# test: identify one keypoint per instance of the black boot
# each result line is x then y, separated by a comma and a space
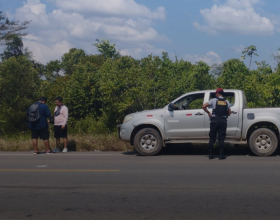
211, 156
222, 156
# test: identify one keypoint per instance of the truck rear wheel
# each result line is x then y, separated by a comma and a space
148, 142
263, 142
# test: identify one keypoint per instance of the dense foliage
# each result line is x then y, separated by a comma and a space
100, 90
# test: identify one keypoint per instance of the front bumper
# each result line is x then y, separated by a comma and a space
124, 131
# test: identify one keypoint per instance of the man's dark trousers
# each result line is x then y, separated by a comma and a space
217, 125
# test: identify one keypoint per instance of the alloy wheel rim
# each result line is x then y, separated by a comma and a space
148, 142
263, 142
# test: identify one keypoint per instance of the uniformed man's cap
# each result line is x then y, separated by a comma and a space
219, 90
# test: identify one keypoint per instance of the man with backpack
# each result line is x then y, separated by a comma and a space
37, 121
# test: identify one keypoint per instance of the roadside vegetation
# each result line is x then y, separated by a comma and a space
100, 89
89, 142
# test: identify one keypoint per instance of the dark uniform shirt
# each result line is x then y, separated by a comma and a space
213, 103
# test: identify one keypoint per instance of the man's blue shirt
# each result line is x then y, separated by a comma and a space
44, 114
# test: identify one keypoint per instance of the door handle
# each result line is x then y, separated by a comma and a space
198, 114
233, 112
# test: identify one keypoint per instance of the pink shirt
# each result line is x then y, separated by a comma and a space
62, 118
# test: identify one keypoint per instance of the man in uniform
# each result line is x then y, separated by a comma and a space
218, 121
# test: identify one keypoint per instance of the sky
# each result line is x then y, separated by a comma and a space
209, 30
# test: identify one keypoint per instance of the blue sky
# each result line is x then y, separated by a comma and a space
209, 30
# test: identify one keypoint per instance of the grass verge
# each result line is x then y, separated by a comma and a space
75, 143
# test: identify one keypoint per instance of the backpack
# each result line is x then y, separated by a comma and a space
34, 114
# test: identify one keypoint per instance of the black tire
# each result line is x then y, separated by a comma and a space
263, 142
148, 142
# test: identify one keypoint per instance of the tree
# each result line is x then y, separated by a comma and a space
277, 58
233, 75
216, 70
8, 28
249, 51
80, 91
19, 88
70, 59
14, 48
264, 68
97, 60
200, 78
120, 89
52, 70
106, 49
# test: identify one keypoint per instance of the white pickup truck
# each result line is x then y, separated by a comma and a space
184, 121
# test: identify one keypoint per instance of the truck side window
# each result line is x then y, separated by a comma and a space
194, 101
230, 96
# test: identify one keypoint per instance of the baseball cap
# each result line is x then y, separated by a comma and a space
219, 90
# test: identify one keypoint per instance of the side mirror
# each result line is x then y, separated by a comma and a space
171, 107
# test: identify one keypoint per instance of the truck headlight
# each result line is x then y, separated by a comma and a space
127, 118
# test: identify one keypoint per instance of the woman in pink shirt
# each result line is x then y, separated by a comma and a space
60, 124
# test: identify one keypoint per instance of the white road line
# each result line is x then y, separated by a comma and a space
62, 154
46, 170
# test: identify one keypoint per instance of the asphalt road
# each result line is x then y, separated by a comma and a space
177, 184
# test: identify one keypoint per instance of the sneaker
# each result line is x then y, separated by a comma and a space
56, 150
36, 152
65, 150
49, 152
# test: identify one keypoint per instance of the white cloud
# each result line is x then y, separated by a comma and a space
275, 19
32, 37
144, 48
122, 8
238, 49
45, 53
35, 11
68, 26
235, 17
210, 58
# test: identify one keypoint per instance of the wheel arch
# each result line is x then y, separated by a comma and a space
142, 126
262, 124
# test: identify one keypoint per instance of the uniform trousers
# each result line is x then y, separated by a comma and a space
218, 126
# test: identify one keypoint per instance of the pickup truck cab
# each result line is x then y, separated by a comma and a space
184, 121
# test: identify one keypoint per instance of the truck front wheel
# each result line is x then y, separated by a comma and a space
263, 142
148, 142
